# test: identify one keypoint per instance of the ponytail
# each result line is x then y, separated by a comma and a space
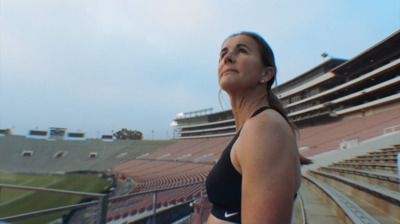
276, 104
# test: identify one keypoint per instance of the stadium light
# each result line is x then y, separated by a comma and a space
324, 55
180, 114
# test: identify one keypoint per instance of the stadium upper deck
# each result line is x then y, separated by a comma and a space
331, 91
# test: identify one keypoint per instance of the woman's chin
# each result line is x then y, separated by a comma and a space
229, 84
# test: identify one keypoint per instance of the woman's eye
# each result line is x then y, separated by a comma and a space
222, 55
242, 50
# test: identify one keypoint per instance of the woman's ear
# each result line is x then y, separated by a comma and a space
268, 74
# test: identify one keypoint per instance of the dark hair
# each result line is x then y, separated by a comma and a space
268, 59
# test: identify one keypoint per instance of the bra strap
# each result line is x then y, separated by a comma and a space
260, 110
254, 114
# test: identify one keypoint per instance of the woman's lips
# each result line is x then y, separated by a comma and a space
230, 70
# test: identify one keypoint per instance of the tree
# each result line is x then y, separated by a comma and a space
5, 131
125, 133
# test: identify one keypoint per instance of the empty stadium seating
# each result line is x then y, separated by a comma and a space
326, 137
206, 150
76, 153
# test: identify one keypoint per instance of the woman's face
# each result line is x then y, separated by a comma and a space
240, 66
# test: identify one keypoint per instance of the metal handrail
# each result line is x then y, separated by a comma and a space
52, 190
102, 202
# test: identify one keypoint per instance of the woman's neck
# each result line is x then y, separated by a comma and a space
244, 105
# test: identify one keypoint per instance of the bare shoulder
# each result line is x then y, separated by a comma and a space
269, 125
266, 136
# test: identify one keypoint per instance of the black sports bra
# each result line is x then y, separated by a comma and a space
224, 185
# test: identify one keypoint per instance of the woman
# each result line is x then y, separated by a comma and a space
258, 174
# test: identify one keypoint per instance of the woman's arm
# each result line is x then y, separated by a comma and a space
268, 159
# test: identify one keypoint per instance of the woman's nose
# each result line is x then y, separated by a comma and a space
229, 58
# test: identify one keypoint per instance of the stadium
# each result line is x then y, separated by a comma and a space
348, 114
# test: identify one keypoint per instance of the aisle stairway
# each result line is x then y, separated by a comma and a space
361, 189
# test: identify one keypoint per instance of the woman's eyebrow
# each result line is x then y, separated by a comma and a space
241, 45
237, 46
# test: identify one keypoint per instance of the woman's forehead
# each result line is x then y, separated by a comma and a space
239, 39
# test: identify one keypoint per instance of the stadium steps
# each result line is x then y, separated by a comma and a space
381, 161
385, 180
369, 180
384, 202
375, 167
324, 204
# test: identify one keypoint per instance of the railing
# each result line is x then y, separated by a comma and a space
102, 202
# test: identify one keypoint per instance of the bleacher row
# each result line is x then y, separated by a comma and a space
152, 175
361, 191
124, 208
206, 150
326, 137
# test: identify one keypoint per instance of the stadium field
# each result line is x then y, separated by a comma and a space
8, 195
14, 202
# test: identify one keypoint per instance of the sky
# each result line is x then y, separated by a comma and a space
97, 66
